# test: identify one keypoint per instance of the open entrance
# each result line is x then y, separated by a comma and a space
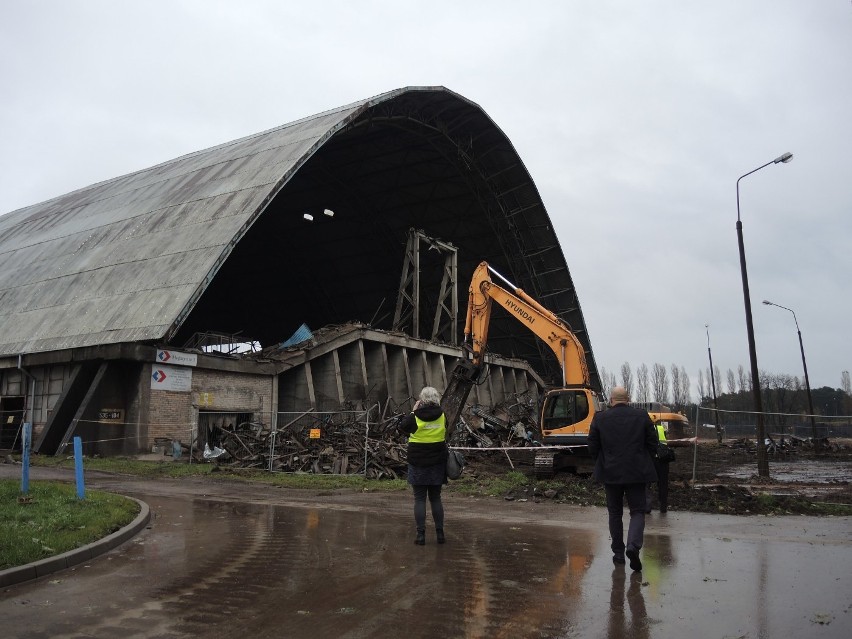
11, 419
213, 425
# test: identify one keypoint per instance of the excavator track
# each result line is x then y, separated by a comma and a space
545, 464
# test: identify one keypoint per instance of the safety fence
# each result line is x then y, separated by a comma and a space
367, 442
724, 444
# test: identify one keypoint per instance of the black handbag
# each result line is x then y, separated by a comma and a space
455, 464
665, 454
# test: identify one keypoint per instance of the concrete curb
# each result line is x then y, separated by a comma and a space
27, 572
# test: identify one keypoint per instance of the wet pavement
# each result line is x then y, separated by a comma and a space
223, 559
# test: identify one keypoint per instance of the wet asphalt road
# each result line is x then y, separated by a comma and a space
223, 560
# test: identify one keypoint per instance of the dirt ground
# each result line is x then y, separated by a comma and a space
718, 479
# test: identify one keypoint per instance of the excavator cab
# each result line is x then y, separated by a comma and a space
566, 415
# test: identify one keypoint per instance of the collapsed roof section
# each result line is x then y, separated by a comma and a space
304, 223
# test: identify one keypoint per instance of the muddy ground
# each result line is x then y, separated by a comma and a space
714, 479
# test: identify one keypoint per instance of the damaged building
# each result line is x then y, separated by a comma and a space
319, 266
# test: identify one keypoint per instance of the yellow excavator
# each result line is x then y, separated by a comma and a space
675, 424
566, 411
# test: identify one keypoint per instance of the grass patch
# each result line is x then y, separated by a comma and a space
508, 483
52, 520
127, 466
175, 470
831, 509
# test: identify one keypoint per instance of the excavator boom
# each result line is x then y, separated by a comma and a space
567, 411
545, 324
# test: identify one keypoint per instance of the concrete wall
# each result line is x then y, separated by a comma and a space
363, 372
115, 410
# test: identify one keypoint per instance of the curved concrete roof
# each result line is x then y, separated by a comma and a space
217, 240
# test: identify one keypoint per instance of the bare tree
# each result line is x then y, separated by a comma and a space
606, 383
742, 381
732, 382
685, 393
780, 397
701, 391
676, 386
660, 383
627, 378
643, 392
846, 383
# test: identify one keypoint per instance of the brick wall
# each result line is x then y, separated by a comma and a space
174, 415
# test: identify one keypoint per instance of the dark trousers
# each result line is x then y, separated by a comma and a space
434, 494
662, 486
615, 494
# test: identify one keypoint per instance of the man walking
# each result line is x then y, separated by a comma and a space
623, 442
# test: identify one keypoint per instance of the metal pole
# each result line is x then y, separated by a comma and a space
808, 388
807, 381
762, 461
695, 445
713, 385
366, 442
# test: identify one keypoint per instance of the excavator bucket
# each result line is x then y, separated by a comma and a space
463, 377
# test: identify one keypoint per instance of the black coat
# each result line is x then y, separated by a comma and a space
624, 442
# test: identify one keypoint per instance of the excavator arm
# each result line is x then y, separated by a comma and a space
545, 324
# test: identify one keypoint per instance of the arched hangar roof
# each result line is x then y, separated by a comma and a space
217, 240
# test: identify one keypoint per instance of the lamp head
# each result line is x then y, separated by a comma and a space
784, 158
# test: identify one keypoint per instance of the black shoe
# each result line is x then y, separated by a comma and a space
420, 540
648, 512
664, 510
633, 556
439, 533
618, 560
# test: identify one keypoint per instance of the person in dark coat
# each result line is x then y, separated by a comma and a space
661, 465
623, 442
426, 427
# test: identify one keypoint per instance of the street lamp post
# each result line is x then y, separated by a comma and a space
762, 461
807, 381
713, 386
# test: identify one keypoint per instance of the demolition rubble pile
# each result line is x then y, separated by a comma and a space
367, 443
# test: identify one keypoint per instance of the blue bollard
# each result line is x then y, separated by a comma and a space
26, 438
78, 467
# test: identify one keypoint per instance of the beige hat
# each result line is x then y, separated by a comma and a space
618, 396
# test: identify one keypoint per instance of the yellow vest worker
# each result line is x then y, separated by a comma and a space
429, 432
662, 468
426, 427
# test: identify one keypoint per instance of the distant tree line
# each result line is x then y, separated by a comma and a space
781, 393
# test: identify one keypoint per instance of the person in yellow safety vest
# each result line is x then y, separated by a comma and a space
426, 427
662, 468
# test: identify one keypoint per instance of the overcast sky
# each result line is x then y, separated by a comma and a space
635, 120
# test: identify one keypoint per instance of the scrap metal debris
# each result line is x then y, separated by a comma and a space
365, 443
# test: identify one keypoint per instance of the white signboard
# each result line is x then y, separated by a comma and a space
176, 359
171, 378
